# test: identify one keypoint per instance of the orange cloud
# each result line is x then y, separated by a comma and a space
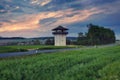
79, 16
29, 23
70, 16
32, 21
45, 2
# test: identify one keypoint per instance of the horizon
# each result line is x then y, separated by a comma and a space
36, 18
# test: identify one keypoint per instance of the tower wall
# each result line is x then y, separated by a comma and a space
60, 40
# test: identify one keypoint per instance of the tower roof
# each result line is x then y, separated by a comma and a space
59, 28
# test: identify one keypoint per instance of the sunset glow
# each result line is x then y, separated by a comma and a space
40, 16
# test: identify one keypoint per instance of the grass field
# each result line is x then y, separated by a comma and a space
4, 49
85, 64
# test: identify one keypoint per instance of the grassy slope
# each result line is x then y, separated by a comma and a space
90, 64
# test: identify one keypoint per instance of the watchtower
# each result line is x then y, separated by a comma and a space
60, 36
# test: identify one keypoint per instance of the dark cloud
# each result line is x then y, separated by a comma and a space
59, 2
1, 7
47, 20
102, 2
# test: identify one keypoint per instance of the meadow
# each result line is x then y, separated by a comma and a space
5, 49
84, 64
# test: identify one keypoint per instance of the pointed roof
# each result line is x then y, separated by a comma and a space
60, 28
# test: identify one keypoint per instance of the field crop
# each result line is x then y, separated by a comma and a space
84, 64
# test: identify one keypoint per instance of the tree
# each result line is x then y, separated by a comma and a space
36, 42
100, 35
97, 35
49, 42
82, 39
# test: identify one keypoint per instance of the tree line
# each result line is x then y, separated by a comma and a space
96, 35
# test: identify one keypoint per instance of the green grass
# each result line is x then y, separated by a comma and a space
41, 47
85, 64
4, 49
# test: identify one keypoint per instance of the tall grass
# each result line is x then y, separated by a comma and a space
85, 64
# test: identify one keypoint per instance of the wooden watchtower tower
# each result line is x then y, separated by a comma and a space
60, 36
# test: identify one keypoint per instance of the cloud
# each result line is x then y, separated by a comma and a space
26, 24
40, 2
111, 8
70, 16
43, 15
33, 21
45, 2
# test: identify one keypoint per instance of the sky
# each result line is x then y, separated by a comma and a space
36, 18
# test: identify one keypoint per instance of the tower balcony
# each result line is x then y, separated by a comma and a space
65, 33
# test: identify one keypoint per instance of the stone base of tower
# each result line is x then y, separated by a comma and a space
60, 40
